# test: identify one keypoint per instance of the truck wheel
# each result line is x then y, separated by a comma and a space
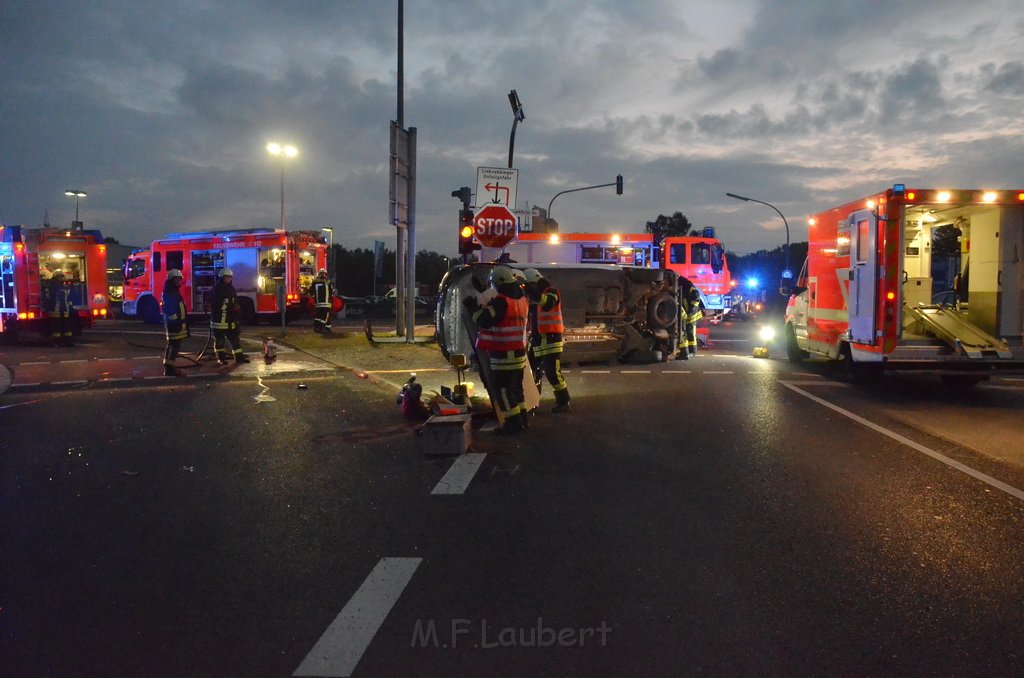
149, 310
661, 311
248, 313
793, 350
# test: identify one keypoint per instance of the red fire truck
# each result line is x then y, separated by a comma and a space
29, 256
263, 261
701, 260
867, 291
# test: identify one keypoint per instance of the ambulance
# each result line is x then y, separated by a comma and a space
871, 294
267, 264
28, 259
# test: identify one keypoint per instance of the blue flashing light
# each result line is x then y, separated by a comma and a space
787, 274
899, 189
752, 282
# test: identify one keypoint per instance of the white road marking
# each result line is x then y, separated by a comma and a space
69, 383
677, 372
73, 361
460, 474
718, 372
107, 380
159, 376
343, 643
42, 362
805, 374
959, 466
596, 371
636, 371
110, 359
34, 383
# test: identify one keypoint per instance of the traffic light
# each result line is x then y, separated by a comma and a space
464, 194
466, 230
618, 185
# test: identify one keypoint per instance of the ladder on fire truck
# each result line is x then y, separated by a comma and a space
950, 326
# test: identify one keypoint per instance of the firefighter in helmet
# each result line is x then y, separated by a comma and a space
59, 309
175, 320
690, 311
225, 318
501, 325
322, 292
546, 335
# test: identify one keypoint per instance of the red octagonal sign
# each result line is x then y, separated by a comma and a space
495, 225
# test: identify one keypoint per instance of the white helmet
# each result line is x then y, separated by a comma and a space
532, 275
174, 273
225, 272
501, 275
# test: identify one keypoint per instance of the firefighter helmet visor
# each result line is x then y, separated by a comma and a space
173, 273
532, 275
226, 272
501, 275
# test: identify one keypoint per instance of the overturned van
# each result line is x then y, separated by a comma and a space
610, 312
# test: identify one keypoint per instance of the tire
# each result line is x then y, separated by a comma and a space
149, 311
662, 311
247, 315
793, 350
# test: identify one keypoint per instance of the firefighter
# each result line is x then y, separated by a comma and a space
322, 292
690, 311
501, 324
224, 319
175, 320
546, 336
59, 309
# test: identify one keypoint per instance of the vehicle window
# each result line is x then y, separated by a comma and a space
700, 253
175, 259
717, 258
134, 268
862, 241
157, 258
271, 266
677, 254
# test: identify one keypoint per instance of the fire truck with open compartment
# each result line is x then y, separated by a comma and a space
261, 261
867, 291
29, 256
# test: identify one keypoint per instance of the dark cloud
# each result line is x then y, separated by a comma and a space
1008, 79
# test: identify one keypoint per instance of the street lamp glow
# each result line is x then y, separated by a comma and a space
76, 194
282, 151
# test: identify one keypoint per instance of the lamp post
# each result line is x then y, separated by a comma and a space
330, 251
283, 152
76, 194
786, 273
518, 115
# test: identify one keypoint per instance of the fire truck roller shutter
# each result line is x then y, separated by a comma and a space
245, 272
662, 311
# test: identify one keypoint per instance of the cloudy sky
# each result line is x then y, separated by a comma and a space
160, 110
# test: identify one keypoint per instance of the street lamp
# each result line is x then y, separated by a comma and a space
284, 152
786, 273
76, 194
518, 115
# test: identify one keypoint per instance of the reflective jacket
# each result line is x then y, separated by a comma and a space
547, 325
175, 318
224, 313
507, 332
320, 290
691, 308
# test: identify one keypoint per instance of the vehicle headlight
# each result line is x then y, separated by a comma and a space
767, 333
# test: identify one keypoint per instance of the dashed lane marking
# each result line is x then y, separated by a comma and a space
678, 372
34, 383
458, 477
953, 463
108, 380
81, 360
343, 643
41, 362
596, 371
718, 372
74, 382
636, 371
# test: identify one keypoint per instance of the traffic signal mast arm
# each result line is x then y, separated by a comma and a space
617, 184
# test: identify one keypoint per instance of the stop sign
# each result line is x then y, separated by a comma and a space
495, 225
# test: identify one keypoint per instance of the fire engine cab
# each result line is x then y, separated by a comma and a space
30, 256
872, 293
266, 264
701, 259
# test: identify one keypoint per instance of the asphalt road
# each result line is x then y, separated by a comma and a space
726, 515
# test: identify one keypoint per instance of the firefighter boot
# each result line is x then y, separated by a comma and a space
682, 354
242, 358
561, 401
171, 371
513, 425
